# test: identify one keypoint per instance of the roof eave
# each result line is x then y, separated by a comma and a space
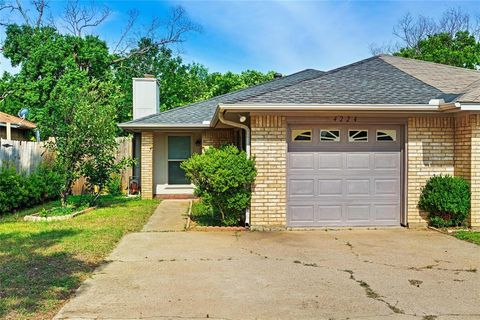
151, 126
329, 107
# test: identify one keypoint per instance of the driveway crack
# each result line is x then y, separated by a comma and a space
370, 293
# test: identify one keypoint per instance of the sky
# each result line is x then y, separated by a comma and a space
284, 36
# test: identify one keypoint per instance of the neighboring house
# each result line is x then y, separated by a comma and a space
15, 128
349, 147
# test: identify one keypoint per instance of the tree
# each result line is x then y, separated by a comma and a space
180, 83
84, 145
44, 57
460, 50
410, 30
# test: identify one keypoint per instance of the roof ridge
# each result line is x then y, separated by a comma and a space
426, 62
320, 75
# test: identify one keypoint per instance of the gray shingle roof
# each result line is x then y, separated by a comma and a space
380, 79
370, 81
197, 113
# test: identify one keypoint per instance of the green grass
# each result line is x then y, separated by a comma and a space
470, 236
42, 263
202, 215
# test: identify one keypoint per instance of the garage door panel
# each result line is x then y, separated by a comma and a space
302, 213
357, 187
302, 187
388, 212
329, 213
357, 212
330, 161
330, 187
386, 161
358, 161
390, 187
302, 161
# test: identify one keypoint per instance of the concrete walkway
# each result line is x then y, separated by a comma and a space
170, 215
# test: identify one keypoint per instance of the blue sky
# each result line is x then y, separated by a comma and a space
284, 36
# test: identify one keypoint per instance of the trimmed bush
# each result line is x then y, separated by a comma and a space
21, 191
447, 200
222, 178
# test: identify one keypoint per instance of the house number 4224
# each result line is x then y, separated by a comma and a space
345, 119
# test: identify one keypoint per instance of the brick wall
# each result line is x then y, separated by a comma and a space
146, 153
217, 137
269, 148
430, 152
471, 132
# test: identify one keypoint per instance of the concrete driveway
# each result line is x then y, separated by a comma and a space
371, 274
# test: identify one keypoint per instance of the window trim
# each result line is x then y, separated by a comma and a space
394, 137
339, 137
300, 131
351, 140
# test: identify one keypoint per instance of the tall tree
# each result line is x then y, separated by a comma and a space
410, 30
460, 50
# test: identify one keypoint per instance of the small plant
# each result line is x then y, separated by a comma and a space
222, 178
114, 185
447, 200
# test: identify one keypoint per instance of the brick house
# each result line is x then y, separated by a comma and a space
349, 147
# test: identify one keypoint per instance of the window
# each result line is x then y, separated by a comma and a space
301, 135
387, 135
357, 135
179, 150
330, 135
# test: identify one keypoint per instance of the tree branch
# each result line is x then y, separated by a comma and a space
79, 17
132, 18
174, 28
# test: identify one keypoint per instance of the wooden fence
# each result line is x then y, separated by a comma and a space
23, 155
26, 156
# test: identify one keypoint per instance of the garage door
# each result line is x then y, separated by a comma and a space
340, 175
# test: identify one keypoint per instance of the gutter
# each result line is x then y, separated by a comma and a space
330, 107
247, 149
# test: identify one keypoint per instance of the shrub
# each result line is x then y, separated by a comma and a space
447, 200
222, 178
114, 185
13, 191
20, 191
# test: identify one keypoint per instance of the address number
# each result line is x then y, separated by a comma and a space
345, 119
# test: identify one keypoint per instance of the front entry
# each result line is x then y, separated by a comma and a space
179, 150
344, 175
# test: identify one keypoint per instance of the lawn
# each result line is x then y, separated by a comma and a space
42, 263
470, 236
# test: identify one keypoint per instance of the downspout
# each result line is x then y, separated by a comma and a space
247, 149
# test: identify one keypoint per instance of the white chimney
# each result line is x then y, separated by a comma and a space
146, 96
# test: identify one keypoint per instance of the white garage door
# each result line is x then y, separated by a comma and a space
340, 175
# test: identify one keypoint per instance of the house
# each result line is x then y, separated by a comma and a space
15, 128
349, 147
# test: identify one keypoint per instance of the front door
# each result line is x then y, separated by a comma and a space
179, 150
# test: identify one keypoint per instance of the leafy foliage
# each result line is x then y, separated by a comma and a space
222, 178
180, 83
460, 50
21, 191
447, 200
49, 61
84, 144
